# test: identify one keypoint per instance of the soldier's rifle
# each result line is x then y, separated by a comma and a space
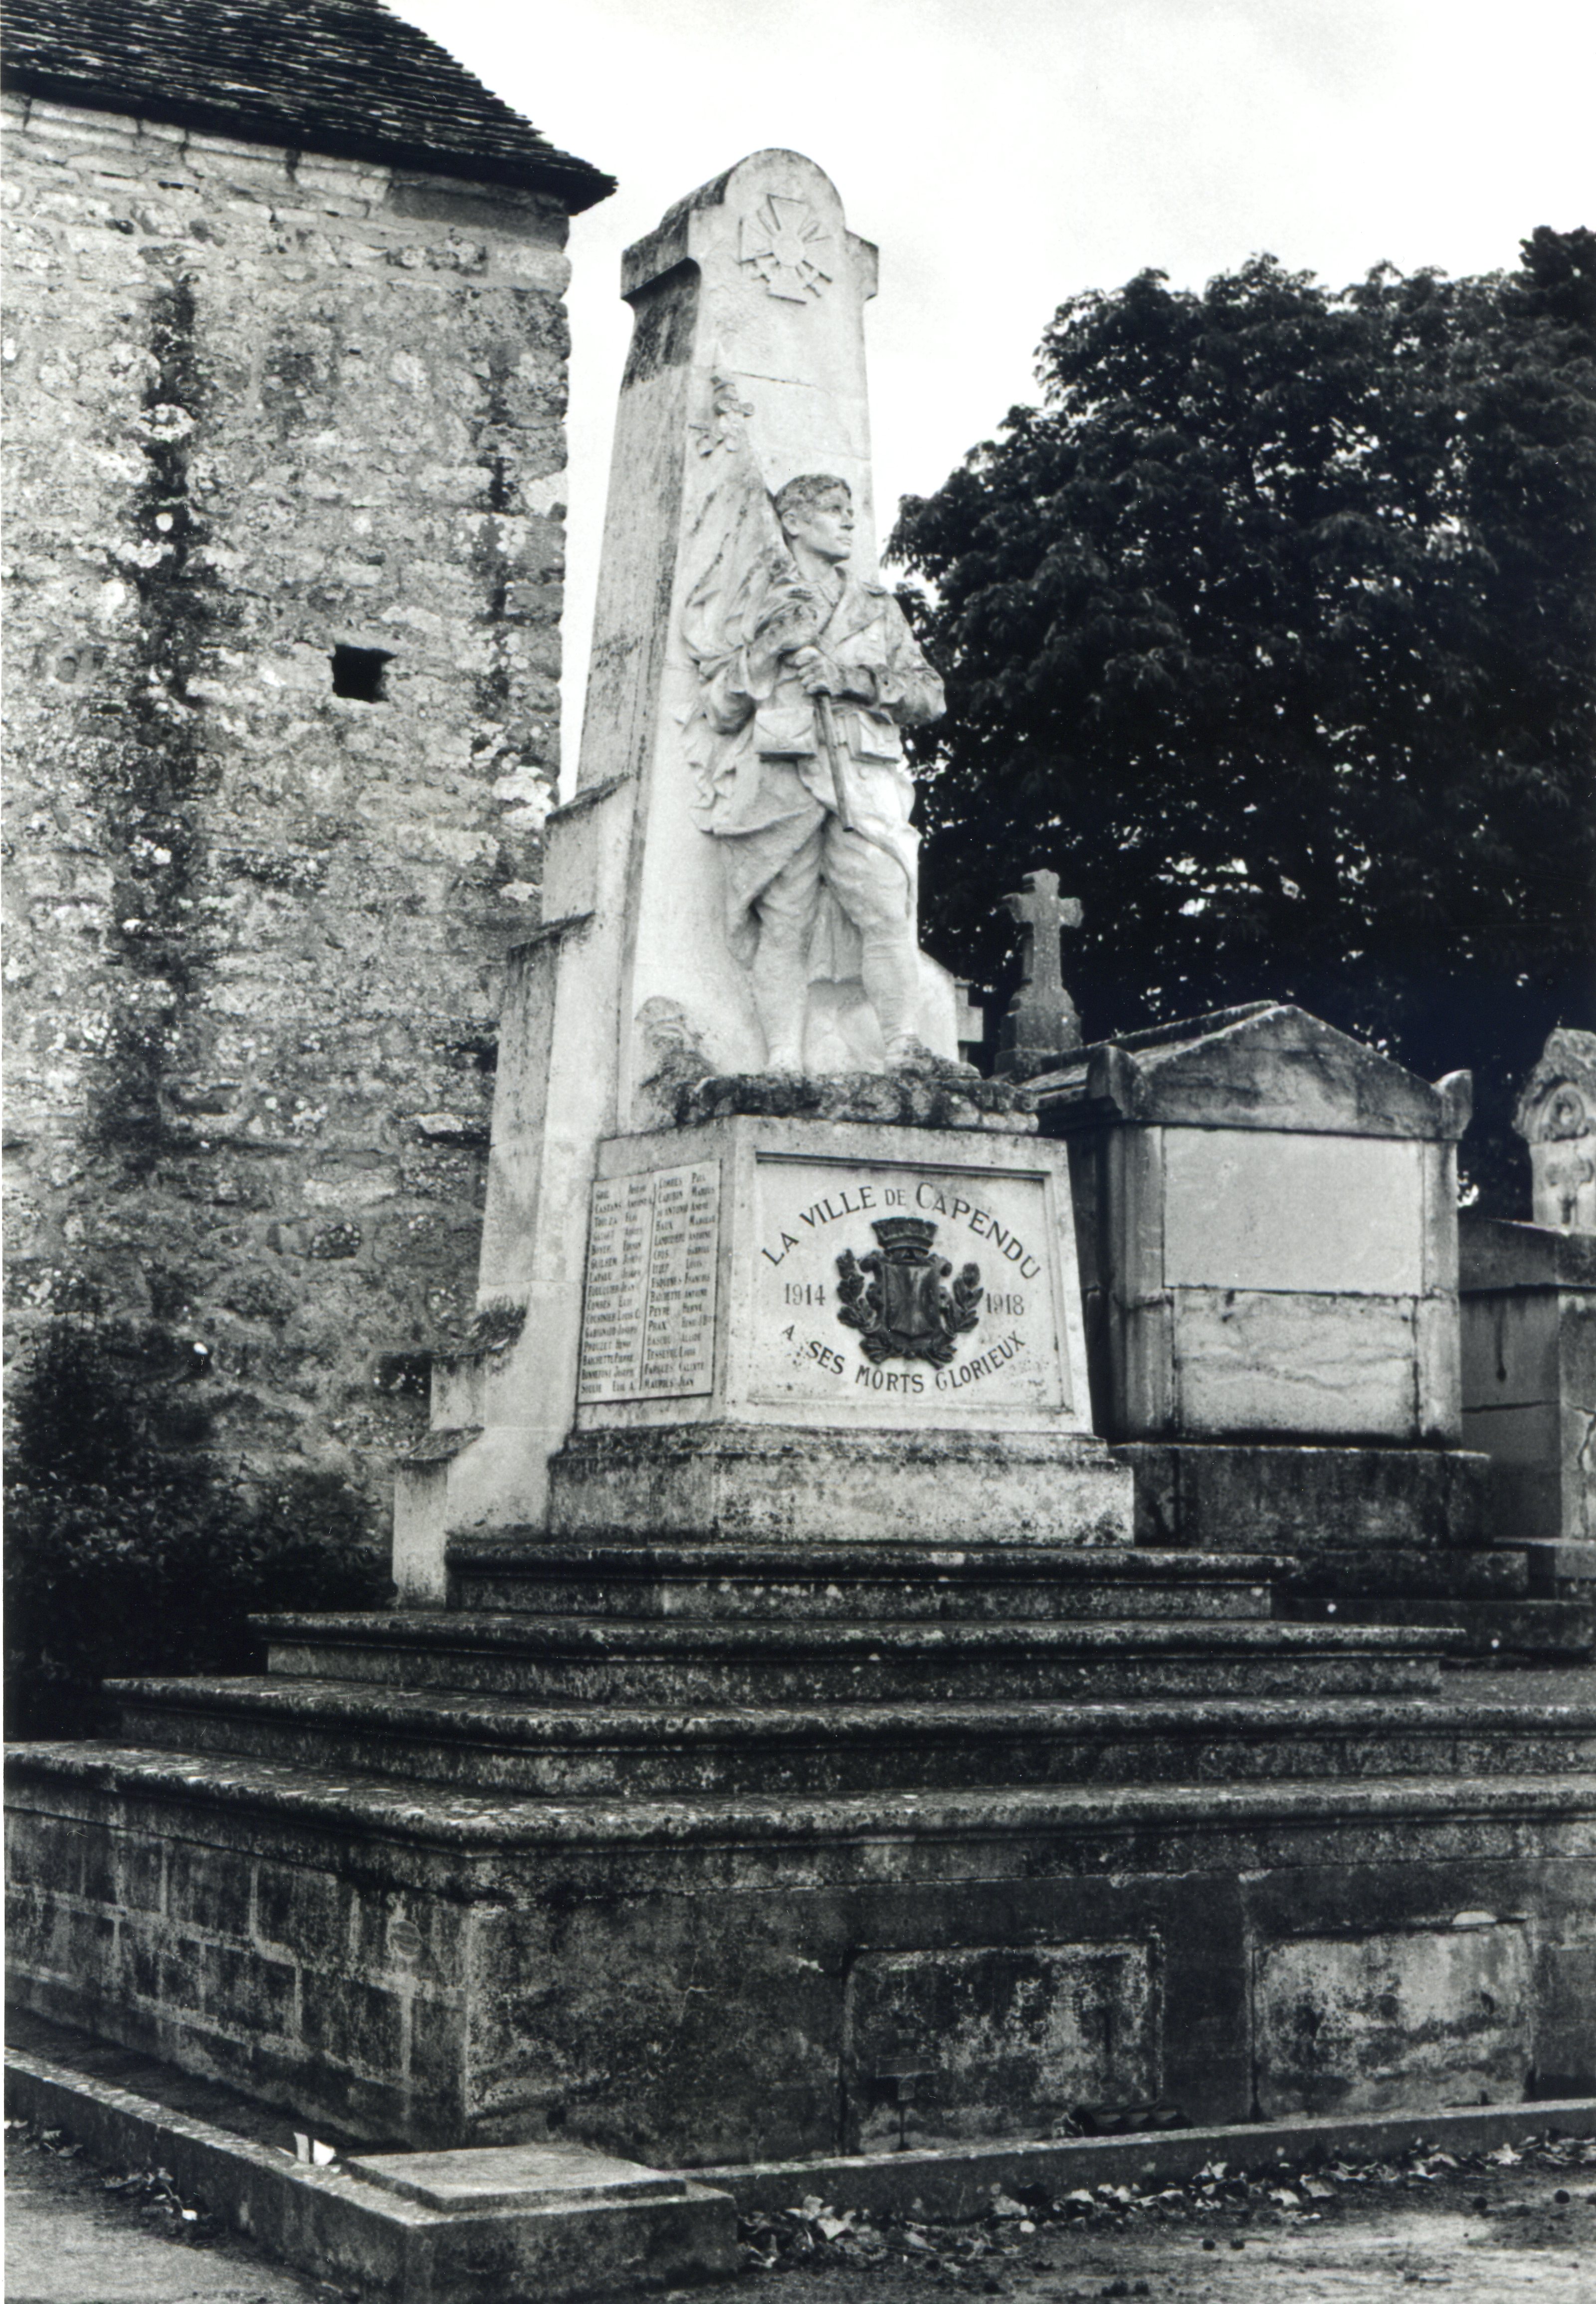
836, 754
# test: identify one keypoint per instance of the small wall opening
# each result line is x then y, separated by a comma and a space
361, 674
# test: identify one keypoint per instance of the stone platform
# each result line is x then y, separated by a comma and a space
1380, 1535
717, 1853
551, 2222
730, 1479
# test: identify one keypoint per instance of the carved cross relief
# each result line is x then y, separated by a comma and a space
784, 244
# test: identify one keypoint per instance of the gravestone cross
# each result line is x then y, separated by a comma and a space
1040, 1026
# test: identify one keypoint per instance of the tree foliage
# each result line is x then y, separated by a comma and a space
1271, 629
130, 1549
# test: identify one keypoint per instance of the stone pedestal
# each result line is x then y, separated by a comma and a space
1269, 1236
825, 1329
1214, 1497
1528, 1295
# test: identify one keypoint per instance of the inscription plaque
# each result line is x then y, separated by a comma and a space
648, 1306
929, 1289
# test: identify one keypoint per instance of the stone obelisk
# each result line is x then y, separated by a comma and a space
746, 373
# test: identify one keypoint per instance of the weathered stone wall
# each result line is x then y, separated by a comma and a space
263, 408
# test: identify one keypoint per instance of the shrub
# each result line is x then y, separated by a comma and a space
130, 1550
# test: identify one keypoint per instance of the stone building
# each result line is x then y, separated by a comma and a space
285, 362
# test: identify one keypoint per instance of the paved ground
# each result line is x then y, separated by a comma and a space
1512, 2228
78, 2234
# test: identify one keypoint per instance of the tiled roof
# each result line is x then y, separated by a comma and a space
339, 76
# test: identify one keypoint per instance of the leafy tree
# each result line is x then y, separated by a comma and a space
1272, 630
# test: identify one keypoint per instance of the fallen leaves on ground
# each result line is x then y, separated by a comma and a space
153, 2190
816, 2235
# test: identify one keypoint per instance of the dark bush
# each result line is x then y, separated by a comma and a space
129, 1549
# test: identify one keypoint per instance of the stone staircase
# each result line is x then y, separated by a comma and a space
716, 1669
767, 1807
697, 1642
719, 1669
1508, 1602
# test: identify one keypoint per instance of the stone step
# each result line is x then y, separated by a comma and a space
1560, 1630
1557, 1568
481, 1744
550, 2220
1338, 1573
587, 1660
863, 1580
263, 1797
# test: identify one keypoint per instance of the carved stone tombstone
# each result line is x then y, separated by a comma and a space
1557, 1118
1040, 1026
1268, 1253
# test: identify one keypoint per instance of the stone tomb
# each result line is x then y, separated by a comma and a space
811, 1330
1269, 1232
1269, 1238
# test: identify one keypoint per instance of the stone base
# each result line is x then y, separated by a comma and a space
1218, 1498
120, 2107
565, 2226
1528, 1304
697, 1852
955, 2183
934, 1094
779, 1482
688, 1982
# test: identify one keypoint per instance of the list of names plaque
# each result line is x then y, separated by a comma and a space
648, 1324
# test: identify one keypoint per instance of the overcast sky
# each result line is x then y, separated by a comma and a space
1004, 154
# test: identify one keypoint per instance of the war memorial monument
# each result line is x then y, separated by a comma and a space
927, 1617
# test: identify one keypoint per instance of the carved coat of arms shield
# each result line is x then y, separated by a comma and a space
903, 1298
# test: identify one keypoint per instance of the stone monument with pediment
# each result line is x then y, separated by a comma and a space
1556, 1119
783, 1264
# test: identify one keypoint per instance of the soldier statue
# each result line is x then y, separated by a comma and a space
809, 675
